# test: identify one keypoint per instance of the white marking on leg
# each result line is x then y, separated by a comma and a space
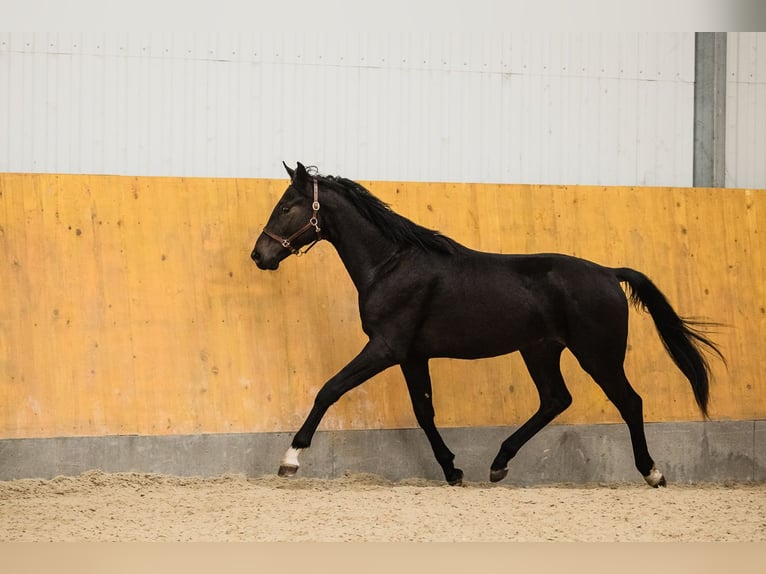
654, 477
291, 457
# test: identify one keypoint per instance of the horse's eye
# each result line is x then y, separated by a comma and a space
285, 208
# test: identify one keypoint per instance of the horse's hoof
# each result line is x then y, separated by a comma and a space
457, 478
497, 475
287, 470
655, 479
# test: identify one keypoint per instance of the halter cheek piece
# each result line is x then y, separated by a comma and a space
313, 222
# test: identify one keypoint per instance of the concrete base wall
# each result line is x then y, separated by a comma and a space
685, 452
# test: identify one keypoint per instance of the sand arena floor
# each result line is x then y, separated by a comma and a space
96, 506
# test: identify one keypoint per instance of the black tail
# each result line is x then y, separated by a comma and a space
683, 339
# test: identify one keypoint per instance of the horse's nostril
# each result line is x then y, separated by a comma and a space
255, 256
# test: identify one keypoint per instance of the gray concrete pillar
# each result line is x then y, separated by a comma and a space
710, 109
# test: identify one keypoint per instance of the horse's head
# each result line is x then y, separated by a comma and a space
293, 223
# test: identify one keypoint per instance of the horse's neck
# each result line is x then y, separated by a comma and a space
360, 245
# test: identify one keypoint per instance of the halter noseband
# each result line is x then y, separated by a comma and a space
313, 222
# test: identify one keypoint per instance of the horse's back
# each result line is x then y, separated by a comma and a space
544, 275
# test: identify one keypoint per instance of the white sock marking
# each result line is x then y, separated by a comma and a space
291, 457
654, 477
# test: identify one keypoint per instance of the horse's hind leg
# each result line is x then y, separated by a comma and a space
629, 404
419, 385
610, 376
543, 363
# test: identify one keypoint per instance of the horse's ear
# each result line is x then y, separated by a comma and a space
290, 172
301, 175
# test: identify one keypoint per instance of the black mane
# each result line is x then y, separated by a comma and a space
392, 225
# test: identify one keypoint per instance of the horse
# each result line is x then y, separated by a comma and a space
423, 295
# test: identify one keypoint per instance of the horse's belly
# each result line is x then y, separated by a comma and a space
475, 337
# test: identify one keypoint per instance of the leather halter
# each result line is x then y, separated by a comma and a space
313, 222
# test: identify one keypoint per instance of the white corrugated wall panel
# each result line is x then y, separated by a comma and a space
746, 110
538, 108
597, 111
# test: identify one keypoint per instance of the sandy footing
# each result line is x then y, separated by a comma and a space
96, 506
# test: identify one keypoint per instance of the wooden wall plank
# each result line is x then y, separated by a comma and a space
131, 305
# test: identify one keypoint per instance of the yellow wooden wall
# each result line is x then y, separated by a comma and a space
130, 305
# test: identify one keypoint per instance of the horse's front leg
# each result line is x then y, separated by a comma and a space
419, 385
374, 358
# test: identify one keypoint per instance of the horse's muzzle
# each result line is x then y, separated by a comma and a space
262, 263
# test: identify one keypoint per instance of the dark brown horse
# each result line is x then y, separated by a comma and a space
422, 295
